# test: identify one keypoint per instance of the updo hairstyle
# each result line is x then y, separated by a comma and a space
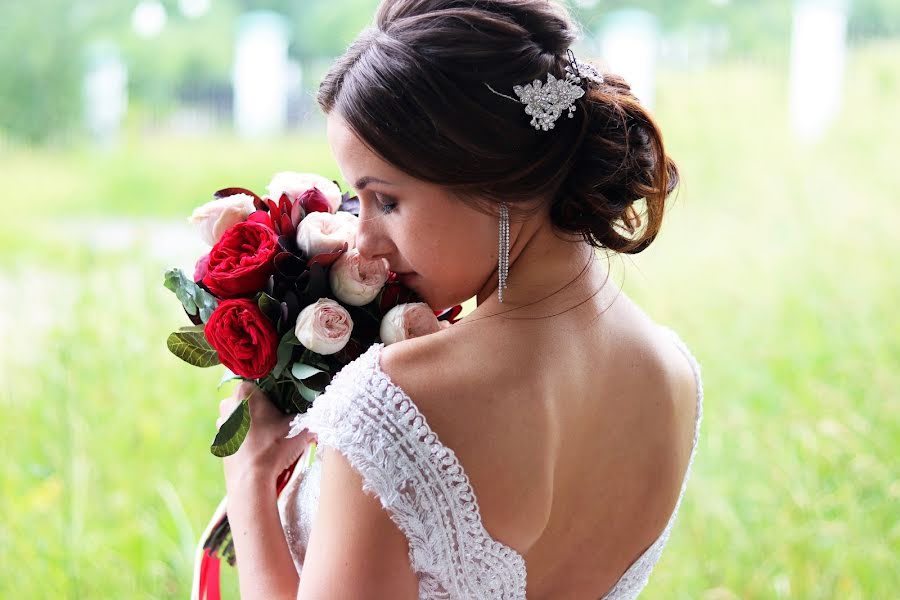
412, 88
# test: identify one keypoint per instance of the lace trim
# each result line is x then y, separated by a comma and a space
420, 482
635, 578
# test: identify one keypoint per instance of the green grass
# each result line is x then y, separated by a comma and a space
777, 264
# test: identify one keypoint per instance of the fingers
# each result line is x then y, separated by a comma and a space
247, 389
228, 405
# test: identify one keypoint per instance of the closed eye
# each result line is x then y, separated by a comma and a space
385, 204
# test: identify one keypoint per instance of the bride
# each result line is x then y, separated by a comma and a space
557, 402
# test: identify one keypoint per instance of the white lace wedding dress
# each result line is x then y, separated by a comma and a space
424, 488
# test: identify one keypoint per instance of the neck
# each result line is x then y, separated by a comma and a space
541, 261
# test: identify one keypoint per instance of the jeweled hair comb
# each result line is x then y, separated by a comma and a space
545, 102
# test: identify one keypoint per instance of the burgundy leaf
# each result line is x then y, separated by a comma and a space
231, 191
297, 214
350, 205
287, 227
284, 204
326, 259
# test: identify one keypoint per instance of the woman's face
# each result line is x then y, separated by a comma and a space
447, 250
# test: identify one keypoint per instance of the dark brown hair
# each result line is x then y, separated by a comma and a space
412, 88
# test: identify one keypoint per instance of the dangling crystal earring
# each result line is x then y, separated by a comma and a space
503, 268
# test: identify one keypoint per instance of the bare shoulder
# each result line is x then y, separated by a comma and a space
476, 421
660, 404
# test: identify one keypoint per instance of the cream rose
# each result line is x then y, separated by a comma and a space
405, 321
355, 280
324, 327
320, 232
213, 218
294, 184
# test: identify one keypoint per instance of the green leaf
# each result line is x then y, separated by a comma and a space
190, 345
269, 306
233, 431
312, 358
227, 376
303, 371
308, 394
192, 297
284, 353
290, 337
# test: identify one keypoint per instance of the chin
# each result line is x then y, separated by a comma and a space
439, 302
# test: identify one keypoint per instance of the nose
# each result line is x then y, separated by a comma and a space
372, 240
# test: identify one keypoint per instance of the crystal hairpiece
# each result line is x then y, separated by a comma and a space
545, 102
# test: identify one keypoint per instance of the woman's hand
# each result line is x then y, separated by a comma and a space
265, 452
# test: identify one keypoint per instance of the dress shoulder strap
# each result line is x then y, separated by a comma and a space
419, 481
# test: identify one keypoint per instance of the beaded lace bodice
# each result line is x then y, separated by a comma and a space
424, 488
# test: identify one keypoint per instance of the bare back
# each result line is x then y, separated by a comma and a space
575, 432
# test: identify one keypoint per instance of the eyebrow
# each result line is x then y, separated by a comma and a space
362, 182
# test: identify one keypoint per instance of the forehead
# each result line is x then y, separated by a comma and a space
353, 157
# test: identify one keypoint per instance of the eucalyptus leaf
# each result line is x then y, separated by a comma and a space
194, 298
233, 431
190, 345
308, 394
303, 371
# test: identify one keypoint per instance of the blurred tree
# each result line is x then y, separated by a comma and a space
42, 41
874, 18
40, 90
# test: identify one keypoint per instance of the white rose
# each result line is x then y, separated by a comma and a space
321, 232
355, 280
324, 327
294, 184
405, 321
213, 218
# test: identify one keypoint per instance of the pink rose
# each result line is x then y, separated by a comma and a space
324, 327
321, 232
295, 184
216, 216
355, 280
405, 321
201, 268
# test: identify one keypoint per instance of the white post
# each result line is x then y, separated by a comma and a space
260, 74
818, 52
629, 44
104, 92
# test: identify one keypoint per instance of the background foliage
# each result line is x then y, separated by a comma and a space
776, 264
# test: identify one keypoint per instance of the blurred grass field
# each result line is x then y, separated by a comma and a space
777, 265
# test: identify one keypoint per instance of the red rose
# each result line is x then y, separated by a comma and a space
242, 260
261, 216
244, 337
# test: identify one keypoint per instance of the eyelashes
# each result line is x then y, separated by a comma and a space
385, 205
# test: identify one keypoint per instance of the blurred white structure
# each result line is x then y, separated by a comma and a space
193, 9
104, 92
148, 18
818, 52
260, 74
629, 45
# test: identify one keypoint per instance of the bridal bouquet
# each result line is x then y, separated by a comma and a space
284, 299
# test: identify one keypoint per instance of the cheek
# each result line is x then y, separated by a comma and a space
455, 257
